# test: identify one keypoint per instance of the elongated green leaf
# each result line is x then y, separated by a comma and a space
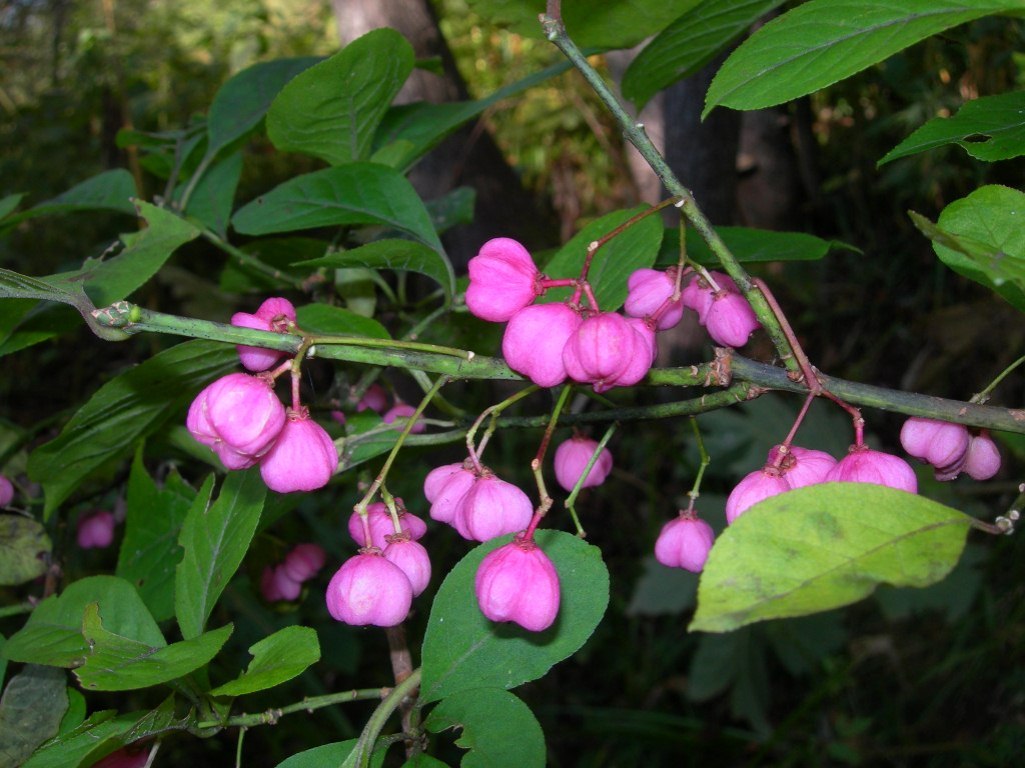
990, 128
284, 655
275, 252
243, 100
634, 248
53, 633
30, 711
463, 650
215, 539
212, 200
494, 724
453, 208
394, 254
117, 663
823, 41
821, 547
326, 754
9, 203
602, 24
321, 318
749, 246
123, 410
982, 236
331, 110
23, 546
690, 42
107, 191
14, 285
360, 193
70, 749
150, 551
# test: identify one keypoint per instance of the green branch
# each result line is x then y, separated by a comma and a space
271, 716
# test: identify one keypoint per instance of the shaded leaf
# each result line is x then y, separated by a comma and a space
123, 410
690, 42
277, 658
823, 41
211, 201
31, 709
359, 193
990, 128
982, 236
9, 203
749, 246
821, 547
70, 749
107, 191
463, 650
215, 539
393, 254
321, 318
494, 725
332, 109
23, 546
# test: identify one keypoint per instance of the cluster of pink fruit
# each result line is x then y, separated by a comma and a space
376, 399
284, 581
242, 420
549, 343
950, 448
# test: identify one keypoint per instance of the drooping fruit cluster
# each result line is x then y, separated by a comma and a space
377, 586
241, 419
474, 501
284, 581
950, 448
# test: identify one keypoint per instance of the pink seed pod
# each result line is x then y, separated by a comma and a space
606, 352
699, 295
304, 561
303, 457
571, 458
276, 584
411, 558
730, 319
126, 757
381, 525
449, 493
95, 530
534, 341
518, 583
491, 508
368, 589
939, 443
802, 466
6, 491
648, 290
642, 329
685, 542
276, 315
375, 398
399, 414
982, 460
503, 280
755, 486
863, 465
437, 478
238, 414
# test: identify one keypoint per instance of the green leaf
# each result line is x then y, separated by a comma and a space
635, 248
990, 128
126, 408
23, 545
606, 24
749, 246
75, 714
821, 547
662, 590
107, 191
394, 254
495, 726
53, 633
453, 208
734, 662
117, 663
31, 709
9, 203
71, 749
150, 551
215, 539
275, 252
282, 656
690, 42
359, 193
463, 650
823, 41
982, 236
321, 318
214, 195
244, 99
332, 109
14, 285
318, 757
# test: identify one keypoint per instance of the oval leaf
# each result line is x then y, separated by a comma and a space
284, 655
31, 709
495, 725
332, 110
463, 650
360, 193
824, 546
823, 41
23, 542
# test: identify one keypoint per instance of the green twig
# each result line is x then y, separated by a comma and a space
309, 704
364, 748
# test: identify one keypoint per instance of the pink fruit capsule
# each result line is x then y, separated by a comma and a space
303, 457
368, 589
648, 290
939, 443
303, 562
490, 508
275, 315
864, 465
95, 530
983, 459
412, 559
518, 583
755, 486
503, 280
382, 526
534, 341
571, 458
685, 542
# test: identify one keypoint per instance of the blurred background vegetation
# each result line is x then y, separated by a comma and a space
930, 677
